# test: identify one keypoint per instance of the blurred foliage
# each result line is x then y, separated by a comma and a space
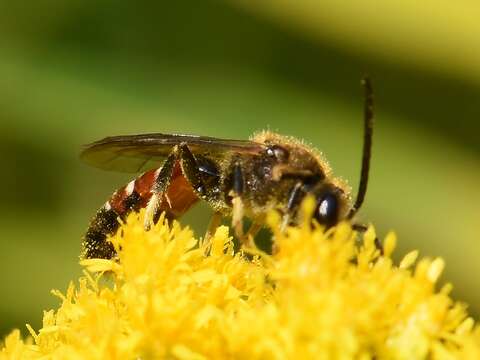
74, 71
435, 36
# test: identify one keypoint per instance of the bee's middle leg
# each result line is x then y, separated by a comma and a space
249, 238
191, 171
236, 193
214, 223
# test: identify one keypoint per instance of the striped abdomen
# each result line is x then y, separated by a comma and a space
132, 197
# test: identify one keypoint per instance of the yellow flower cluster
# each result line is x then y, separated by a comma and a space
320, 296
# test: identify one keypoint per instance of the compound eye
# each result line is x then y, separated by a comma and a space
278, 152
326, 212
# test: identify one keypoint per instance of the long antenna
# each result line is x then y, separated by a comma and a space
367, 146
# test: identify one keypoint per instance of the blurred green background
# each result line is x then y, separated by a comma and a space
74, 71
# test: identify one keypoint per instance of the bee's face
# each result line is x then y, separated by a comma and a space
303, 171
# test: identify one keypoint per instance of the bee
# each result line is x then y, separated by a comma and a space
237, 178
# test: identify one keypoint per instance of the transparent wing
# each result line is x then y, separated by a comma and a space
138, 153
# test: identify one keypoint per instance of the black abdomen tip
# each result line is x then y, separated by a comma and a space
95, 244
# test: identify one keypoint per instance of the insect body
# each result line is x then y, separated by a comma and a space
236, 178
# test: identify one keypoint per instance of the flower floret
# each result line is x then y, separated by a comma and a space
322, 294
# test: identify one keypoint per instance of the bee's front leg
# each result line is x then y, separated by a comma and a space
294, 199
361, 228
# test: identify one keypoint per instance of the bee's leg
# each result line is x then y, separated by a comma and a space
379, 245
159, 189
293, 200
362, 228
237, 217
359, 227
237, 203
215, 221
191, 170
249, 238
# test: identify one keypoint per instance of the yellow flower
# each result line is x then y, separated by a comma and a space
322, 295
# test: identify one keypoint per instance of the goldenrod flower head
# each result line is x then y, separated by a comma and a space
322, 295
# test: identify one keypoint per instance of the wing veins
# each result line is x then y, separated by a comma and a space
133, 152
